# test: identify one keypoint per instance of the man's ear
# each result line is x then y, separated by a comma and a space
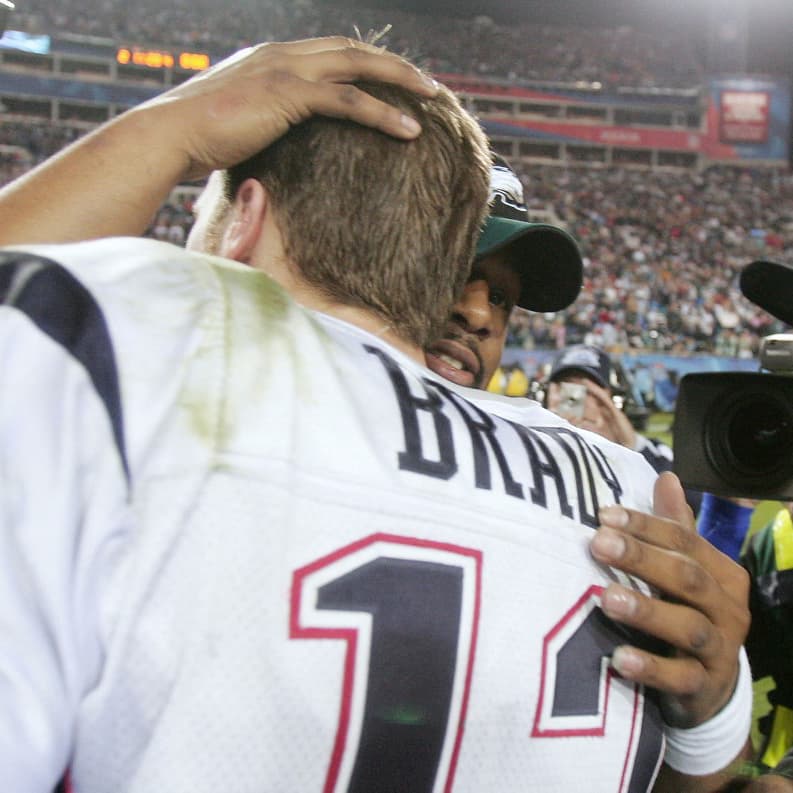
244, 227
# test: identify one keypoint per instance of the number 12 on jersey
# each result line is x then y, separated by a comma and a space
409, 613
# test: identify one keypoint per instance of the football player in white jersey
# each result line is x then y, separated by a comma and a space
275, 553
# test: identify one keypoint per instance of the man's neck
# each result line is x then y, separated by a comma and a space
271, 259
362, 318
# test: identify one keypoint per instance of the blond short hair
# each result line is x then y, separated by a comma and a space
376, 222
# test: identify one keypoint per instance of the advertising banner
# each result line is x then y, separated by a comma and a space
744, 116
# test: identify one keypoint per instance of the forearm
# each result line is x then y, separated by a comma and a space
109, 183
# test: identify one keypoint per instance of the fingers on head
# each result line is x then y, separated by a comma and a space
345, 101
339, 58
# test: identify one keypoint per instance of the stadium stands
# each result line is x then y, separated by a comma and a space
663, 250
461, 46
662, 247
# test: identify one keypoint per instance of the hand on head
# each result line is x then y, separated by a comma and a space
127, 168
244, 103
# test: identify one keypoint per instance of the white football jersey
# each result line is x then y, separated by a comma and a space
246, 547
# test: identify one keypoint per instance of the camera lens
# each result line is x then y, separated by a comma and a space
755, 436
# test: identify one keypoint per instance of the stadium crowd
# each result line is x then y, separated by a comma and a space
478, 46
662, 249
662, 252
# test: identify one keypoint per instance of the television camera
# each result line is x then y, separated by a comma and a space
733, 431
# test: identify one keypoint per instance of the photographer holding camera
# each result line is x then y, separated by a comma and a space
580, 390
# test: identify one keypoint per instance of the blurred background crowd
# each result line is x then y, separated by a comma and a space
662, 248
477, 45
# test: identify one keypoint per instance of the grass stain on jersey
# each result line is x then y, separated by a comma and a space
267, 295
245, 306
278, 320
263, 345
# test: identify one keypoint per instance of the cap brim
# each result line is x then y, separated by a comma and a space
588, 371
546, 257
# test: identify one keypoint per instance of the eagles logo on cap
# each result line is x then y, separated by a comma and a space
506, 190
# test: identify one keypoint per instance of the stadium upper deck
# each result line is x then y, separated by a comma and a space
458, 45
549, 94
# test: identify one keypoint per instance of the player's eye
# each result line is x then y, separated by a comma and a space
498, 297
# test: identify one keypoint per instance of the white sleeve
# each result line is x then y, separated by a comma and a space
62, 513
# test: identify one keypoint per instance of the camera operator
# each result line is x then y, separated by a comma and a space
768, 557
724, 522
745, 423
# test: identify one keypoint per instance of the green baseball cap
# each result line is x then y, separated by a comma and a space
546, 257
